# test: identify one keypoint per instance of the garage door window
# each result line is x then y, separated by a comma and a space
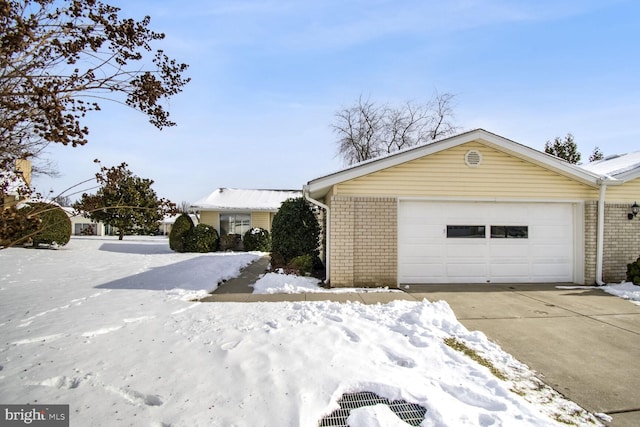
509, 232
466, 232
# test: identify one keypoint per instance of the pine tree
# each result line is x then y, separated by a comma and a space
125, 201
565, 149
596, 155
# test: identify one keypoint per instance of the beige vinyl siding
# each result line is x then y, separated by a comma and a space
211, 218
261, 220
446, 175
628, 192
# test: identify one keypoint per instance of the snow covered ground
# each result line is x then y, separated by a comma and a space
111, 328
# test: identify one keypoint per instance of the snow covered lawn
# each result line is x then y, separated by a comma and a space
110, 328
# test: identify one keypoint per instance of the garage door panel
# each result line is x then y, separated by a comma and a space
466, 270
426, 255
508, 250
460, 251
510, 270
546, 250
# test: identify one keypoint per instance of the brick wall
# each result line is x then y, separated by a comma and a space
364, 241
621, 241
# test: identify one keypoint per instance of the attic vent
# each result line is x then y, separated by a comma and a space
473, 158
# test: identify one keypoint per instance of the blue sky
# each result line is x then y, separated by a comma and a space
268, 77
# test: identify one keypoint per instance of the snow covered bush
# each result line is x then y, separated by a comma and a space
633, 272
201, 238
181, 227
54, 227
257, 239
295, 230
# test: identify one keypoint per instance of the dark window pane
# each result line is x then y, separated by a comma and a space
466, 231
509, 232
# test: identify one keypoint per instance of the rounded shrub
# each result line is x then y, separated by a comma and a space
181, 227
201, 238
257, 239
295, 230
54, 227
633, 272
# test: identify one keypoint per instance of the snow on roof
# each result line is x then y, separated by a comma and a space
245, 199
615, 165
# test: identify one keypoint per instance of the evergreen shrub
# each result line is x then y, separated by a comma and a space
181, 227
633, 272
295, 230
201, 238
55, 225
257, 239
302, 264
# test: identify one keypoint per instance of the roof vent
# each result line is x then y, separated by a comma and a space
473, 158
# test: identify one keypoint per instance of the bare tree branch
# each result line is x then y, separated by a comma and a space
367, 130
60, 58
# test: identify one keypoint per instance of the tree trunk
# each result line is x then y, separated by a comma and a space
120, 235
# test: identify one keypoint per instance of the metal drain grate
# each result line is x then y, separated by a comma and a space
410, 413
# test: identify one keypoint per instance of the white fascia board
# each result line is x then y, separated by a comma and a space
320, 186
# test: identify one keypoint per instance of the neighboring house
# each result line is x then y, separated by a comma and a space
168, 220
479, 208
81, 226
235, 211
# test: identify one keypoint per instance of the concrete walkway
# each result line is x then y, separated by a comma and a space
584, 343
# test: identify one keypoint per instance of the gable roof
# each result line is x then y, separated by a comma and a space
622, 167
226, 199
319, 187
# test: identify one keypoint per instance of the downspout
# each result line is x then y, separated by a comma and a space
600, 233
327, 246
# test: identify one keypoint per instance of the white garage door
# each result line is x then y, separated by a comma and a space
451, 242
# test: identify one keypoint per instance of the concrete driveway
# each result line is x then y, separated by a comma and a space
583, 342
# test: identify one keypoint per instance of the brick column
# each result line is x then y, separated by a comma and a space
341, 253
364, 247
590, 241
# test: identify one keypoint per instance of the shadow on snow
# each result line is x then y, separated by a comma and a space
192, 274
137, 248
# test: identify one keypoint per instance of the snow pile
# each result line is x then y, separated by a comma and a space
106, 327
625, 290
279, 283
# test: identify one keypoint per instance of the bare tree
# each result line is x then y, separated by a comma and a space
184, 207
367, 130
60, 58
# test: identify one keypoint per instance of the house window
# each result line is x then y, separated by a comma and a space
509, 232
235, 223
466, 232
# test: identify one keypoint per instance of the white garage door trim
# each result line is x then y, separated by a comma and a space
552, 252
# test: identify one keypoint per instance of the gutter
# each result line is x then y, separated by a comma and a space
327, 264
600, 232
